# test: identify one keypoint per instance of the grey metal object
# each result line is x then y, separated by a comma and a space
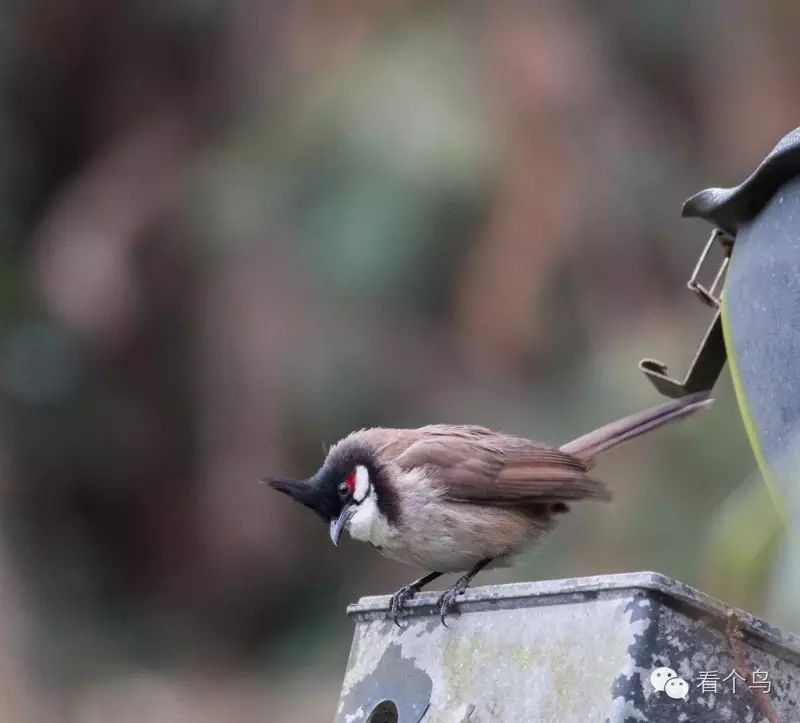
734, 210
762, 306
710, 356
709, 359
729, 208
580, 649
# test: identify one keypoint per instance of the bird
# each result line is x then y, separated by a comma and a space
458, 498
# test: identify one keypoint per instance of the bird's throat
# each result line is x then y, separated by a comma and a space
368, 525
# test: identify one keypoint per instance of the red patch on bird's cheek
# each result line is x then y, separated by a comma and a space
351, 482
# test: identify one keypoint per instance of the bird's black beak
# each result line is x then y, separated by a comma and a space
308, 493
300, 491
339, 523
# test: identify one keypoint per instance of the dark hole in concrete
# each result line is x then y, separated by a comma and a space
384, 712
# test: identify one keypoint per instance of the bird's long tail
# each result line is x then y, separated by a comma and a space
610, 435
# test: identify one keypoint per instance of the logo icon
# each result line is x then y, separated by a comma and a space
666, 680
677, 688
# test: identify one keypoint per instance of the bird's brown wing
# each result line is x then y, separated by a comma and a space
490, 468
391, 443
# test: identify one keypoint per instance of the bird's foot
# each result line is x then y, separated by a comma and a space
398, 600
447, 600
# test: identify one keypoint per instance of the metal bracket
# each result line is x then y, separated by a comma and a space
710, 356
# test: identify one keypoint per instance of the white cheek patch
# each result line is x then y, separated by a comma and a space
362, 483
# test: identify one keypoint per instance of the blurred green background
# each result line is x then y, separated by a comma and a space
234, 231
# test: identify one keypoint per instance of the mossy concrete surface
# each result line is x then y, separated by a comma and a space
569, 650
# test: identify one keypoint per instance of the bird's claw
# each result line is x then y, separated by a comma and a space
447, 600
398, 600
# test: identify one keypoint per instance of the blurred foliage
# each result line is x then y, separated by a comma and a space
234, 231
739, 565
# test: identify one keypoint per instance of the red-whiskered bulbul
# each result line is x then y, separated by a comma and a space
450, 498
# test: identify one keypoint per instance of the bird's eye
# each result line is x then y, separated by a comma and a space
343, 489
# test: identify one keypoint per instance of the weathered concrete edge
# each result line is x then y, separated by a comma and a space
578, 589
